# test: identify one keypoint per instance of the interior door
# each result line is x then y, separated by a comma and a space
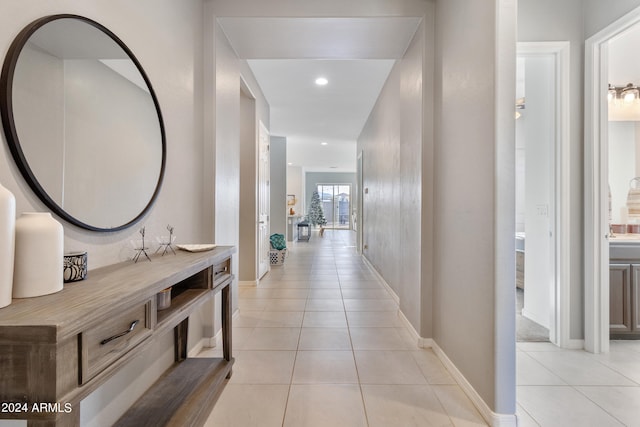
263, 201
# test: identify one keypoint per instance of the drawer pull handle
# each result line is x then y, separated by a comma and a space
121, 334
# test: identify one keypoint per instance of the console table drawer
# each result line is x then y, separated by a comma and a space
103, 344
221, 272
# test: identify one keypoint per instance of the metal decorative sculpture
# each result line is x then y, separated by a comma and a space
167, 245
142, 249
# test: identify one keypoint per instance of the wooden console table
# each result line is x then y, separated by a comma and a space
57, 349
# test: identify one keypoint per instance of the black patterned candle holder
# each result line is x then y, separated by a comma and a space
75, 267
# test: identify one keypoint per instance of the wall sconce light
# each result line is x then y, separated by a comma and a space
630, 93
520, 104
612, 93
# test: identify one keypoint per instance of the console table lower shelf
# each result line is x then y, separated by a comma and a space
183, 396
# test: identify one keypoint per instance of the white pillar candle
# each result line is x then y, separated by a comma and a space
7, 238
38, 263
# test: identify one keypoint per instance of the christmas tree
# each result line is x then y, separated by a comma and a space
316, 214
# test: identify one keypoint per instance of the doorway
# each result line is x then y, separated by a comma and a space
597, 232
336, 205
542, 183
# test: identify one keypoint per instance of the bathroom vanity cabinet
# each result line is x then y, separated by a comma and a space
624, 289
57, 349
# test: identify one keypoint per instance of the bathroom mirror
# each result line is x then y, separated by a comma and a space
82, 122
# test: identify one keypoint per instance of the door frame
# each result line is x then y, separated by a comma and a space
596, 232
359, 203
559, 331
263, 200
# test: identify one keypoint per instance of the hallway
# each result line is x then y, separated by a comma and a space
320, 343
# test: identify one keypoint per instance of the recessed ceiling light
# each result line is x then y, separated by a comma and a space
321, 81
290, 164
324, 143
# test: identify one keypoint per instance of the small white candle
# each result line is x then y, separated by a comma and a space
624, 215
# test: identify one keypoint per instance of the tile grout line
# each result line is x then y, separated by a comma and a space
293, 369
353, 354
575, 388
598, 405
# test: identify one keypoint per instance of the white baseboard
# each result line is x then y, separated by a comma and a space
209, 342
247, 283
492, 418
205, 342
420, 342
574, 344
394, 296
504, 420
197, 348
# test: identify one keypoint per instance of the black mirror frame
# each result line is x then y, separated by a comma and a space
8, 123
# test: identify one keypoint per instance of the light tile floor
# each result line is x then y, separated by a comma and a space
561, 388
319, 343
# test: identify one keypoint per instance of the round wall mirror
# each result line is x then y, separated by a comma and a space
82, 122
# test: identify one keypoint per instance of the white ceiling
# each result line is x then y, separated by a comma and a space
308, 114
286, 55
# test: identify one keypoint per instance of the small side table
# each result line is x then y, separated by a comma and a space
304, 231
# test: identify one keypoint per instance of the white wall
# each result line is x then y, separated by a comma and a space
379, 143
468, 294
392, 143
142, 25
538, 131
222, 139
248, 244
176, 84
278, 185
622, 163
412, 98
598, 14
295, 186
